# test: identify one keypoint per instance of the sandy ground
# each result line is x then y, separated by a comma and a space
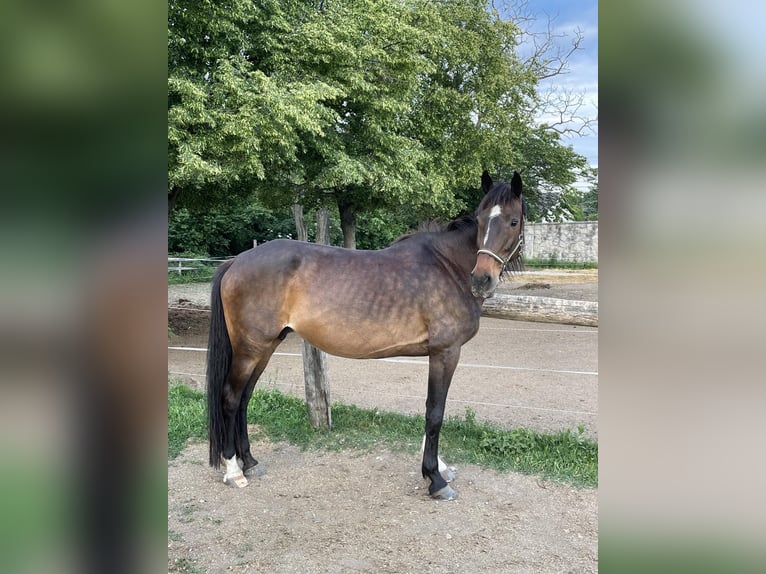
330, 512
354, 512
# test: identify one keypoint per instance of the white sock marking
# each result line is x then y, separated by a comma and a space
232, 466
234, 474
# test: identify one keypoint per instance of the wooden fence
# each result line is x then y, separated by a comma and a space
181, 264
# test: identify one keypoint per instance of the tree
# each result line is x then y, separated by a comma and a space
367, 106
229, 122
468, 109
226, 229
590, 197
369, 52
428, 95
477, 100
548, 167
547, 56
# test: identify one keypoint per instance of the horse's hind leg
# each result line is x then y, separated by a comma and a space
243, 460
242, 375
241, 439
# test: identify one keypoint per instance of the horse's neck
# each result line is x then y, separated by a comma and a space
459, 248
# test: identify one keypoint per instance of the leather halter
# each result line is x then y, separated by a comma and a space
503, 262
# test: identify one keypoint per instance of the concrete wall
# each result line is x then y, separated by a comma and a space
571, 241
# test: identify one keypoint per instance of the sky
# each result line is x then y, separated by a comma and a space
567, 16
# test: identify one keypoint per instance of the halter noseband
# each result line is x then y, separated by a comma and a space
503, 262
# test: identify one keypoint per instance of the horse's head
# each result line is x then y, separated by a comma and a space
501, 224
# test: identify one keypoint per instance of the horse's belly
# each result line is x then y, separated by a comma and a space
364, 344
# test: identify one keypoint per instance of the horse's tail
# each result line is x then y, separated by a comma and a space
218, 364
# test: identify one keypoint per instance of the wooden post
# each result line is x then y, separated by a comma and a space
315, 378
317, 387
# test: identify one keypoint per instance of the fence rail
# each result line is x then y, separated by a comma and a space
181, 264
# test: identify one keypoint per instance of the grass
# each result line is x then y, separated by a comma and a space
186, 417
186, 565
567, 456
202, 275
553, 262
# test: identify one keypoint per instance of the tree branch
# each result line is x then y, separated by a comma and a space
562, 111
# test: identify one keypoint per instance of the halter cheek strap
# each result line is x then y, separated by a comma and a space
503, 262
491, 254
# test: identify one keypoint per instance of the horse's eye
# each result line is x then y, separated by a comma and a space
514, 222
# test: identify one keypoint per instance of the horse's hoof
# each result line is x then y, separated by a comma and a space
255, 471
445, 493
448, 474
235, 480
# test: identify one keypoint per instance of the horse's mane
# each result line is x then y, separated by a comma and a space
500, 193
470, 221
439, 226
463, 222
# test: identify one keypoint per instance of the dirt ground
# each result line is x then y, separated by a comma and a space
369, 512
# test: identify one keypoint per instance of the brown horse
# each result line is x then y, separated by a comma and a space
420, 296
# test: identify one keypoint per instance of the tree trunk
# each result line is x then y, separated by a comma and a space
173, 196
301, 232
347, 223
323, 226
542, 309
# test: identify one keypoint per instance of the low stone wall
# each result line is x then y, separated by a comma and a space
570, 241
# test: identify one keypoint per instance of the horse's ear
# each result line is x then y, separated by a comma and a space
486, 181
516, 184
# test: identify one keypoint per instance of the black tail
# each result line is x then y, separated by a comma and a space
218, 363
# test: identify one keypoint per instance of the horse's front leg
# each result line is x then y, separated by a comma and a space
441, 367
447, 472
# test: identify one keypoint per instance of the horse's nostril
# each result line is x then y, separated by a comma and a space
481, 282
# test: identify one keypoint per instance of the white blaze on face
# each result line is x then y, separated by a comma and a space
492, 214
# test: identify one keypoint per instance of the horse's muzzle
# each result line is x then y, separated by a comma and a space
483, 285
